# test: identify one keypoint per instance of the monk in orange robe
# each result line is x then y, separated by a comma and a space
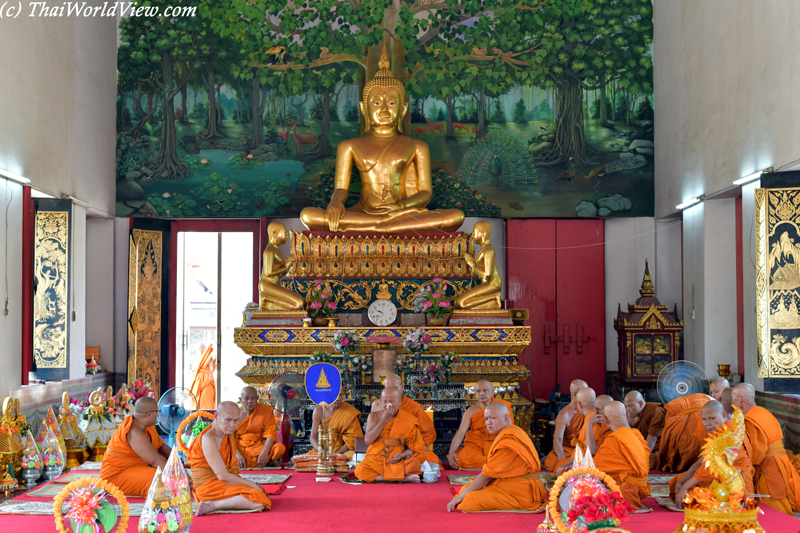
204, 386
344, 421
215, 477
393, 437
714, 417
624, 456
569, 423
595, 423
135, 451
257, 434
426, 428
510, 477
716, 387
680, 442
472, 433
774, 473
648, 418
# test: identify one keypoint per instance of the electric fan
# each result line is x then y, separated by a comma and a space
287, 394
173, 408
681, 378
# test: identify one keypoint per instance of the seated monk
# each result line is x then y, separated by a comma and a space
257, 434
716, 387
392, 436
624, 456
510, 477
215, 477
472, 433
648, 418
568, 426
595, 424
410, 406
774, 473
345, 424
683, 434
714, 417
135, 451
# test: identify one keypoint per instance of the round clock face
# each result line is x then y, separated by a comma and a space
382, 312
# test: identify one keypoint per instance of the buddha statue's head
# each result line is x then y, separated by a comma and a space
383, 102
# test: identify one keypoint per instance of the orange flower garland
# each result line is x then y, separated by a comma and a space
555, 492
93, 483
197, 414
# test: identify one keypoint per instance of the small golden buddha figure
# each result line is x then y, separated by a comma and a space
484, 265
395, 171
271, 295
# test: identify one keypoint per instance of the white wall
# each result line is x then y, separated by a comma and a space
749, 279
11, 270
77, 312
726, 78
57, 103
121, 245
100, 288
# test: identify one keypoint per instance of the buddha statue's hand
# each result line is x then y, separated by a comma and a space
335, 213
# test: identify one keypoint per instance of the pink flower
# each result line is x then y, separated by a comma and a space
426, 338
331, 305
345, 341
437, 280
316, 305
444, 303
325, 295
437, 295
426, 304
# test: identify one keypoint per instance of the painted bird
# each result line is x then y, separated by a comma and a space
568, 175
614, 166
497, 158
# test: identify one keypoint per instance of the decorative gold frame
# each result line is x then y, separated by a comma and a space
555, 492
51, 301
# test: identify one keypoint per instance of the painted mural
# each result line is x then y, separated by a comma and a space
530, 109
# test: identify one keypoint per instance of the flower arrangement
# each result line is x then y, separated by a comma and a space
432, 373
363, 363
346, 342
88, 507
176, 480
576, 478
191, 428
437, 304
402, 363
320, 357
349, 375
448, 360
140, 389
161, 512
600, 510
320, 300
417, 341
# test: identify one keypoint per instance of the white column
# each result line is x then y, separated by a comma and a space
100, 289
121, 251
76, 315
10, 286
749, 285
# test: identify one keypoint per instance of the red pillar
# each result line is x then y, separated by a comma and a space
27, 283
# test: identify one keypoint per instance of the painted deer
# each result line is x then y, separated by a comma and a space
459, 126
284, 134
300, 139
435, 127
421, 130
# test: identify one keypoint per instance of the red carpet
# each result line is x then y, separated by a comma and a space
334, 506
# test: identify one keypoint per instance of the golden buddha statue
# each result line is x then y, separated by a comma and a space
271, 295
395, 171
484, 265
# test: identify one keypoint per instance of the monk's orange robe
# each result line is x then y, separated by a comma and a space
570, 432
345, 424
397, 435
204, 386
122, 467
513, 464
478, 441
774, 473
680, 445
651, 424
426, 429
207, 486
601, 431
624, 456
252, 433
705, 476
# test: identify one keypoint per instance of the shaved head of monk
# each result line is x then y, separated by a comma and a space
484, 391
599, 405
744, 397
616, 416
727, 401
714, 416
717, 386
575, 386
146, 411
586, 398
497, 417
227, 418
393, 381
634, 403
248, 398
391, 397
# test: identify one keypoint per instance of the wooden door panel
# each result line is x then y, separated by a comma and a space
531, 283
580, 290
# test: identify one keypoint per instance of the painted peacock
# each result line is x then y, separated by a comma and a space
498, 158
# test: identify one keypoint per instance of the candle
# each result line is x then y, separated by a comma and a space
429, 412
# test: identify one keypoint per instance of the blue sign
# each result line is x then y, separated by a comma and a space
323, 383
